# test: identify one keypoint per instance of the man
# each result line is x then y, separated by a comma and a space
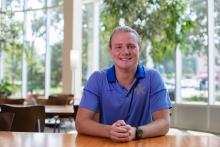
131, 101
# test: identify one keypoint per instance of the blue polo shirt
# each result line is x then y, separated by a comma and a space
103, 94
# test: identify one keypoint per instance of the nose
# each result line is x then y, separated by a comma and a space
125, 50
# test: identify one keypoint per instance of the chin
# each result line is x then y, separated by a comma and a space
127, 66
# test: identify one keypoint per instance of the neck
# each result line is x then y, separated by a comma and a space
125, 77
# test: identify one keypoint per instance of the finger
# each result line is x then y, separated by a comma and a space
120, 123
127, 127
120, 134
119, 138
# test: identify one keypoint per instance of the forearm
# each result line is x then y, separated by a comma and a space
91, 127
156, 128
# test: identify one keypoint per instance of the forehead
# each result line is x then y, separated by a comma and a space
125, 37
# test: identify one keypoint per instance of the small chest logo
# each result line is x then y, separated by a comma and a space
139, 90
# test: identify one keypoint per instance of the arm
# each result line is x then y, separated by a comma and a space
86, 123
159, 126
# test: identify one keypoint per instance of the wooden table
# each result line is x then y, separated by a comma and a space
19, 139
63, 111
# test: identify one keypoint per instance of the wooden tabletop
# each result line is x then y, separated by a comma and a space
19, 139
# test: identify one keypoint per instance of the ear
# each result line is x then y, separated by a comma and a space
110, 51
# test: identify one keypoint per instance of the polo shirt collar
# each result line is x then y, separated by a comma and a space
140, 73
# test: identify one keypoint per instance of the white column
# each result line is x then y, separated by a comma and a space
77, 44
24, 59
178, 75
1, 49
48, 55
96, 36
211, 56
72, 40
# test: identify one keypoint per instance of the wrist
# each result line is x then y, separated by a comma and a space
139, 133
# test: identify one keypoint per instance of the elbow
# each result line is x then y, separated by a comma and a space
166, 127
78, 125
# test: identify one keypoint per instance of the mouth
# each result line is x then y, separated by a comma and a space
125, 59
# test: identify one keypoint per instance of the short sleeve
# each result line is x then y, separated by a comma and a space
159, 97
90, 97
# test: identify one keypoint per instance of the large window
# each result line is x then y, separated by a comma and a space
217, 51
87, 42
194, 73
40, 24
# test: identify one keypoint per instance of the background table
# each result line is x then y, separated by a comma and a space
60, 110
19, 139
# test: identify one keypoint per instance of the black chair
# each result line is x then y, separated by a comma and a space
63, 99
56, 122
26, 118
6, 120
13, 101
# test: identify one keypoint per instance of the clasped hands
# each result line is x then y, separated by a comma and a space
122, 132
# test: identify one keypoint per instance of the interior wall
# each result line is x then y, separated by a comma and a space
196, 117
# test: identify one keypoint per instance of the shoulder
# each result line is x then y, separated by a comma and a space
151, 72
98, 76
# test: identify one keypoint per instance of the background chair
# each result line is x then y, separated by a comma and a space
68, 98
59, 99
26, 118
11, 101
6, 120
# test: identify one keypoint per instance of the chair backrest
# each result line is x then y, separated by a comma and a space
27, 118
6, 120
41, 101
2, 100
52, 102
14, 101
75, 107
60, 98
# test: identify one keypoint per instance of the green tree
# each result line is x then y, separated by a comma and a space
11, 45
162, 24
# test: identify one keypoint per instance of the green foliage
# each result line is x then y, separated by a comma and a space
162, 24
56, 64
199, 98
6, 88
9, 34
218, 98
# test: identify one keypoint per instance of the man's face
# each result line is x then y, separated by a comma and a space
125, 50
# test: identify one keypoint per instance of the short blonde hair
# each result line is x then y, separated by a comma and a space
125, 29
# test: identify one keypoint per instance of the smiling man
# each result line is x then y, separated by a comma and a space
130, 100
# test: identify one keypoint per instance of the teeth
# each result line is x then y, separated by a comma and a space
126, 59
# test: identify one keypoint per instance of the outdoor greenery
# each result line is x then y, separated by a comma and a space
12, 43
163, 25
6, 88
200, 98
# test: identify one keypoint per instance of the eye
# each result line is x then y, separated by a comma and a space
131, 46
118, 47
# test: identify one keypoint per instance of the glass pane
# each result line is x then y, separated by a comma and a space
56, 29
167, 70
14, 5
36, 4
11, 43
55, 3
217, 51
87, 41
36, 35
194, 83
